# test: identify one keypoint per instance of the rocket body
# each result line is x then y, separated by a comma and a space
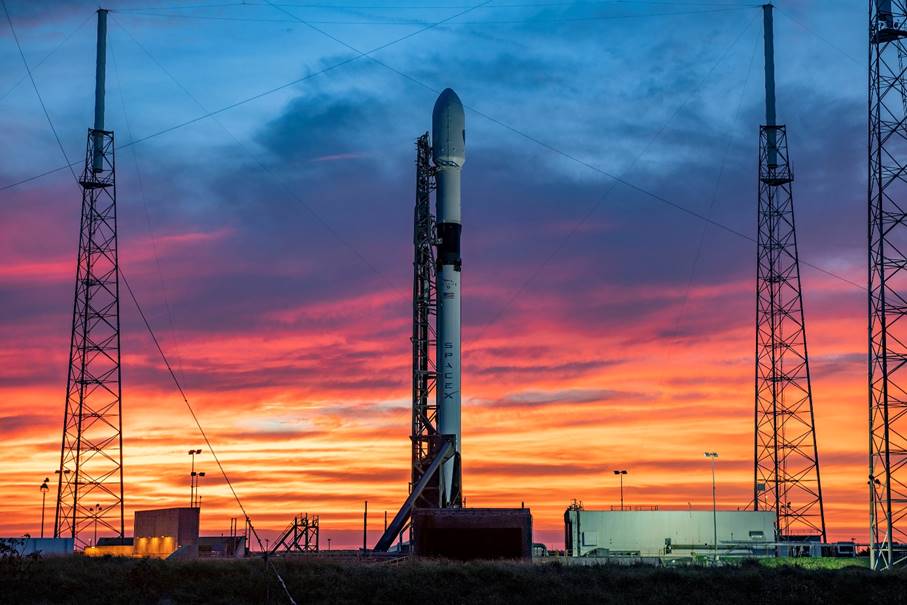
448, 154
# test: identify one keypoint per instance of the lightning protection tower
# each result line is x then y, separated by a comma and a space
887, 196
425, 421
90, 487
786, 459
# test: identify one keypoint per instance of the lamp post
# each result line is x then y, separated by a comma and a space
60, 476
44, 489
621, 474
713, 456
192, 478
96, 512
196, 500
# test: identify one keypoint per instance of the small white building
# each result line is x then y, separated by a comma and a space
667, 533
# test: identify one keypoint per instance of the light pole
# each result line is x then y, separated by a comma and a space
714, 456
60, 477
192, 478
196, 501
621, 474
96, 511
44, 489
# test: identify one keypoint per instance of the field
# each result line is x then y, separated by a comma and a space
135, 582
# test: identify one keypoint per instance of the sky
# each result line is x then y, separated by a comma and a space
609, 217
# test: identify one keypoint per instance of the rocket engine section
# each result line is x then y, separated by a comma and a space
448, 155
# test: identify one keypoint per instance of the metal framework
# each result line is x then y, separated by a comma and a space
786, 476
301, 536
424, 435
90, 487
887, 197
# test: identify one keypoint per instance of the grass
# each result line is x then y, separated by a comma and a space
140, 581
816, 563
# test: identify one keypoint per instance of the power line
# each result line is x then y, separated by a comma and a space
552, 148
37, 93
686, 297
820, 36
369, 55
527, 21
198, 425
362, 258
426, 6
47, 56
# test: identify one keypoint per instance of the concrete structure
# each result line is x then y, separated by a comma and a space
473, 533
674, 533
161, 531
44, 547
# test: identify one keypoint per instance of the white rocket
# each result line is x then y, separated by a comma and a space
448, 125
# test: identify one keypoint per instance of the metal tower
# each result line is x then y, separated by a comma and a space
786, 460
887, 197
430, 448
90, 487
425, 423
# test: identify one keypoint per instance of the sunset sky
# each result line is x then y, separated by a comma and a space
270, 246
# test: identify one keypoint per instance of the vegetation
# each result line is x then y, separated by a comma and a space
140, 581
817, 562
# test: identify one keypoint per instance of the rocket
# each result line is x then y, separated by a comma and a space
448, 125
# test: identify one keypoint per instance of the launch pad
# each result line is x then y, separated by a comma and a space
472, 533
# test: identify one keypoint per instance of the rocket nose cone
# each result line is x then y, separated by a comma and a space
448, 130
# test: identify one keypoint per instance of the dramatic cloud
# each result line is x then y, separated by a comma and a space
607, 322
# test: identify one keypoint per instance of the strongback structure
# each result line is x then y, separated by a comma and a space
425, 422
786, 459
887, 197
90, 486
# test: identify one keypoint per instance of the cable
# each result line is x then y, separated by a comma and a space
362, 258
198, 424
257, 96
819, 36
37, 93
147, 214
47, 56
727, 147
528, 21
557, 151
612, 186
426, 6
369, 54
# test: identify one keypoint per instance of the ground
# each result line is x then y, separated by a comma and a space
135, 582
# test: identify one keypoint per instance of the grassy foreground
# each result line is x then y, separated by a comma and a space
136, 582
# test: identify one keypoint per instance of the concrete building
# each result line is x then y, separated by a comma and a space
667, 533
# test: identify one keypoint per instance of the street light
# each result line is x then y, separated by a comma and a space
44, 489
714, 456
192, 478
198, 498
621, 474
96, 511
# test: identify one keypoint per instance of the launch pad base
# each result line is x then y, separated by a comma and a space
472, 533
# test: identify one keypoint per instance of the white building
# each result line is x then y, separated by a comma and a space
671, 533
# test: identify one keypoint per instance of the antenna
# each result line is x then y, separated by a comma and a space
887, 199
786, 459
91, 453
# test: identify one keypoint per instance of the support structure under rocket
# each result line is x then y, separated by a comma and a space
448, 154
